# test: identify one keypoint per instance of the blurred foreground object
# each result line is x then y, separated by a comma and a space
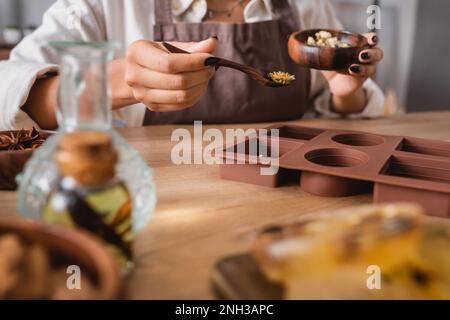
85, 105
337, 256
38, 262
89, 195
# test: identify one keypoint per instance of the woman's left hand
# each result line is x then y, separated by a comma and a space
343, 86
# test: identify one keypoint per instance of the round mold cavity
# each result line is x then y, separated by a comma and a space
359, 139
324, 185
343, 158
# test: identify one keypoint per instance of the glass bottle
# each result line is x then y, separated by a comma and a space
88, 193
85, 104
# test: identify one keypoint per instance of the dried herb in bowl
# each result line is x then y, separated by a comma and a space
21, 140
326, 39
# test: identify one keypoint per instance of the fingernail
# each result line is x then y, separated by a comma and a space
375, 39
212, 61
355, 69
365, 56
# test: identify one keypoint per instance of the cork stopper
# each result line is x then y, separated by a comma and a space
88, 157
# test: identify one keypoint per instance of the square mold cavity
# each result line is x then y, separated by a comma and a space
418, 169
429, 184
425, 147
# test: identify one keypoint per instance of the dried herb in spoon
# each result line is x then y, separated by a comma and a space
21, 140
272, 79
282, 78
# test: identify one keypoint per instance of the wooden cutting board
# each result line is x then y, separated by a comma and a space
239, 278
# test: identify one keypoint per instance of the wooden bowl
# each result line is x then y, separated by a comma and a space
71, 247
327, 58
13, 162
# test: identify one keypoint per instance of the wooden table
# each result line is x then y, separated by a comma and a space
200, 219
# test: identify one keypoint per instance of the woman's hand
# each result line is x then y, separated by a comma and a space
346, 89
149, 74
167, 82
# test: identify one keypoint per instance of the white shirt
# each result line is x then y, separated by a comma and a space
127, 21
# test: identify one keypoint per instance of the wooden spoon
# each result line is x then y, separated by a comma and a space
264, 77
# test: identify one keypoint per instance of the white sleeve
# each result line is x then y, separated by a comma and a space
32, 59
374, 108
320, 14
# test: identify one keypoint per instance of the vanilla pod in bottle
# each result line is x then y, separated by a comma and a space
89, 195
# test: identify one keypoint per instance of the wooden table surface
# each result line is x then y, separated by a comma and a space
201, 219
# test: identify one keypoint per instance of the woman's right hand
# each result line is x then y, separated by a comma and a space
167, 82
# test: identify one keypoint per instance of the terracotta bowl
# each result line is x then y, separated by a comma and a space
326, 58
71, 247
13, 162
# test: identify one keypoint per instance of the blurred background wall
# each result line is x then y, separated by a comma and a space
398, 18
415, 67
22, 12
415, 72
429, 83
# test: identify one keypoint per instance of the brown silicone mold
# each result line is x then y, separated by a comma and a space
338, 163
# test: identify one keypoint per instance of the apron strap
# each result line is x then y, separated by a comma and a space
163, 13
285, 14
281, 7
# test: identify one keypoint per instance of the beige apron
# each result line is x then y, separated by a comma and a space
232, 97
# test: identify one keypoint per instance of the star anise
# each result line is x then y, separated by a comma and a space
20, 140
